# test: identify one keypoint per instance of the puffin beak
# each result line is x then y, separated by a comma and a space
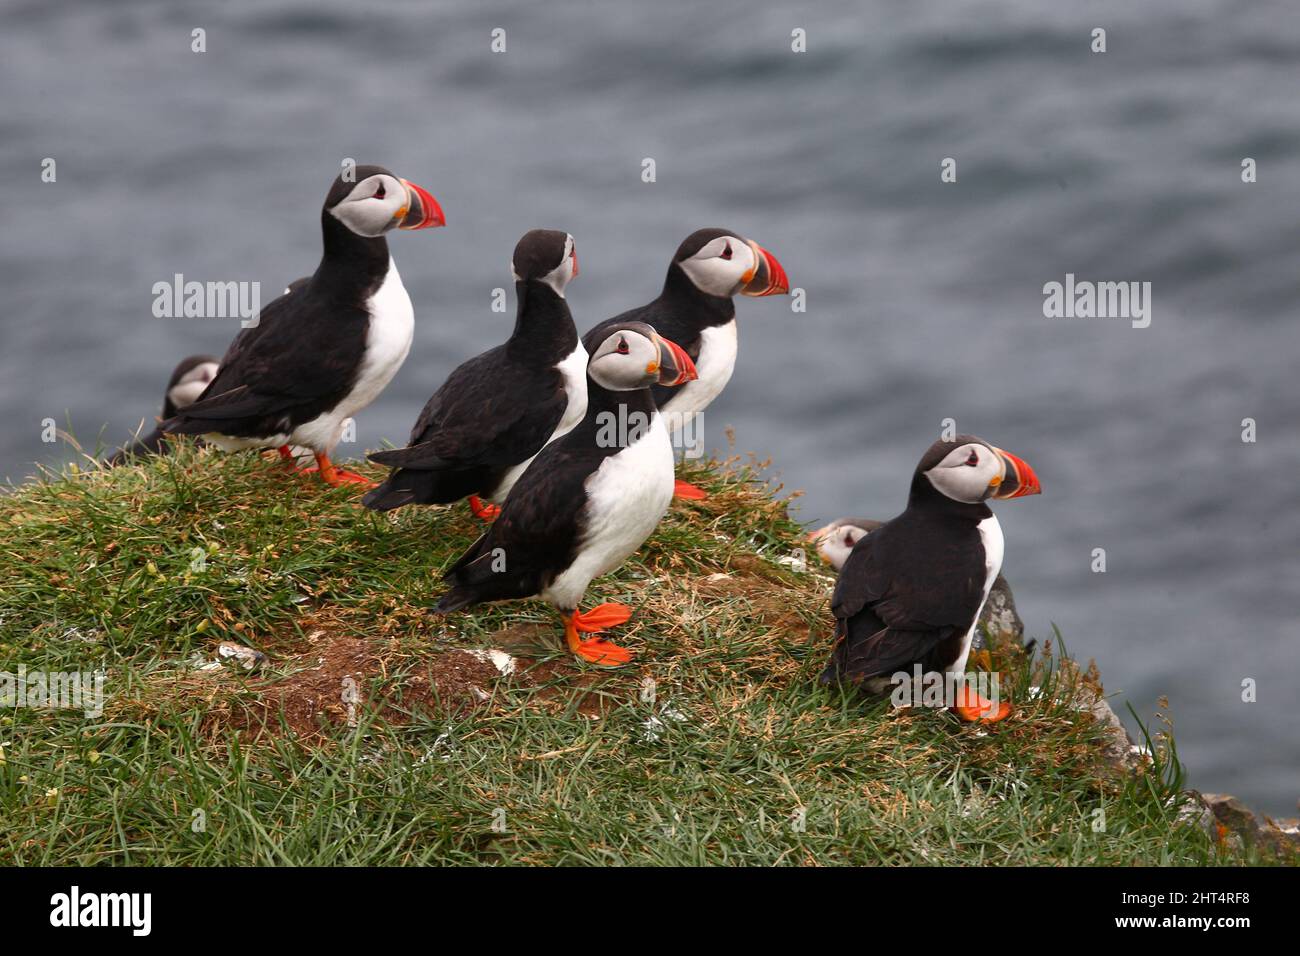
767, 277
674, 366
574, 255
422, 210
1018, 478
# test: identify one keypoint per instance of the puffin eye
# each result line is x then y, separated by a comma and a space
622, 346
379, 193
973, 459
726, 252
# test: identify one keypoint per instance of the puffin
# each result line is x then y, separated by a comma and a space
188, 380
589, 499
911, 591
495, 412
834, 541
696, 310
326, 348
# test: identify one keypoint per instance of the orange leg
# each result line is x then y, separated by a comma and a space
687, 491
595, 650
973, 708
336, 476
482, 511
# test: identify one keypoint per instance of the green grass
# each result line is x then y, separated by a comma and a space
143, 568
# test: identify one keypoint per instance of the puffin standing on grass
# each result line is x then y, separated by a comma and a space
912, 590
589, 499
480, 430
696, 310
188, 381
326, 348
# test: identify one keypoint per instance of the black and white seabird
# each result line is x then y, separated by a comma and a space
188, 381
589, 499
911, 591
324, 350
696, 310
480, 430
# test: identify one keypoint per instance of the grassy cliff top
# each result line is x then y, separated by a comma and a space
373, 735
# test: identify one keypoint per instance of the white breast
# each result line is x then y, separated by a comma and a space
626, 497
718, 345
388, 340
574, 370
991, 537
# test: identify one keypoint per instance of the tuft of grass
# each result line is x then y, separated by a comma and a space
715, 746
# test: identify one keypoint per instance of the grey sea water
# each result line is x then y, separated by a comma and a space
924, 299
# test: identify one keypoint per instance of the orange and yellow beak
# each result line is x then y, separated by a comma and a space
767, 277
1017, 480
422, 210
674, 366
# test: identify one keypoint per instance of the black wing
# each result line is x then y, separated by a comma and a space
489, 413
907, 591
285, 370
535, 537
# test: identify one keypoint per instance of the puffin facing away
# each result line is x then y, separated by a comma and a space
480, 430
835, 541
188, 380
696, 310
589, 499
326, 348
912, 590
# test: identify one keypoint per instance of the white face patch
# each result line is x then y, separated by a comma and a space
837, 543
559, 277
966, 472
624, 361
372, 208
720, 268
192, 383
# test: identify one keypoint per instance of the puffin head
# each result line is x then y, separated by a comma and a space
188, 381
970, 470
721, 263
547, 256
835, 541
626, 356
374, 201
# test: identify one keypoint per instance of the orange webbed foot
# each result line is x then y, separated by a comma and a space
482, 511
597, 650
973, 708
335, 477
688, 492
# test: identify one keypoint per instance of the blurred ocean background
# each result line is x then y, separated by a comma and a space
924, 299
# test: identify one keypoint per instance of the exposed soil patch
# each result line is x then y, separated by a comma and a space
455, 680
336, 677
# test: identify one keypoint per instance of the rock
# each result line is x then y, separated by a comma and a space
1117, 746
1000, 623
1235, 819
1195, 813
245, 656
